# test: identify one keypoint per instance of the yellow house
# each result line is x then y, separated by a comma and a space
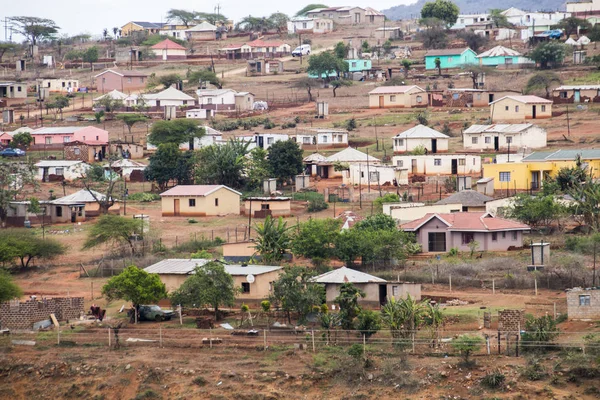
200, 201
254, 281
260, 207
533, 170
520, 108
398, 97
135, 26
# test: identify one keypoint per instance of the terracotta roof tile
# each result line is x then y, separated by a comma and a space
468, 221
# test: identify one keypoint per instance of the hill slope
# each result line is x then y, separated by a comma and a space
475, 6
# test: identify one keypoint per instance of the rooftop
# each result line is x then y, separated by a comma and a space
167, 44
195, 190
527, 99
314, 157
203, 27
123, 72
467, 221
345, 275
563, 155
183, 266
468, 198
169, 93
82, 196
421, 131
394, 89
498, 128
499, 51
578, 87
350, 154
57, 163
446, 52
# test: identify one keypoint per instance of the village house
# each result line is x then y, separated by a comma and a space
348, 15
377, 290
420, 136
169, 97
5, 139
322, 138
225, 100
312, 165
173, 272
169, 50
210, 137
262, 140
438, 233
174, 31
200, 201
59, 170
439, 164
503, 136
121, 80
128, 100
485, 186
576, 94
199, 113
375, 175
470, 200
450, 58
261, 207
583, 304
67, 134
130, 171
89, 151
202, 32
520, 108
257, 49
141, 26
344, 159
12, 92
261, 66
123, 148
58, 85
389, 33
82, 204
309, 25
469, 97
501, 56
531, 172
409, 211
398, 97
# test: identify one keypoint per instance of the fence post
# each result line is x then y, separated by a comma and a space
365, 346
160, 336
499, 342
58, 334
180, 316
413, 342
487, 344
313, 339
493, 286
210, 337
265, 340
535, 283
450, 281
109, 338
554, 310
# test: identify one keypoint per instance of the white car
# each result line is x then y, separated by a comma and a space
300, 51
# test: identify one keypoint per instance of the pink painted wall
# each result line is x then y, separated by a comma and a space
87, 134
111, 81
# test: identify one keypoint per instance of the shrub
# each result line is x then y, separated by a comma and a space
453, 252
467, 345
192, 221
200, 381
265, 305
369, 323
350, 124
534, 371
245, 308
143, 197
288, 125
356, 351
202, 254
419, 150
539, 332
493, 380
317, 205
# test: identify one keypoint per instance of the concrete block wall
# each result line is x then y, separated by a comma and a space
575, 311
22, 315
511, 320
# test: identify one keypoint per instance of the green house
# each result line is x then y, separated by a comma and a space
450, 58
501, 55
358, 65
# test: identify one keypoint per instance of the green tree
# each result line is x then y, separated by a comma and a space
387, 198
548, 54
434, 35
307, 84
536, 211
169, 80
184, 17
211, 18
324, 64
573, 25
315, 239
8, 289
131, 119
349, 246
114, 231
368, 322
340, 83
364, 47
6, 47
404, 317
27, 246
257, 168
101, 186
205, 75
223, 164
308, 8
473, 40
586, 198
60, 102
135, 285
294, 292
34, 28
444, 10
12, 177
169, 164
278, 21
406, 64
340, 50
593, 34
387, 47
377, 222
347, 302
273, 239
467, 345
110, 105
542, 80
475, 71
176, 131
209, 285
539, 333
285, 159
438, 65
499, 19
21, 140
90, 56
253, 24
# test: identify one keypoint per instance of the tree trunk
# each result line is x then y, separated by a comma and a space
334, 89
309, 95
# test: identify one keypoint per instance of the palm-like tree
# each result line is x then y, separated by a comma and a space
115, 31
434, 320
404, 317
105, 33
273, 240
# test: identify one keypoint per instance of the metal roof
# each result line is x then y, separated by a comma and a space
350, 154
113, 94
421, 131
57, 163
525, 99
57, 130
184, 266
446, 52
347, 275
196, 190
82, 196
265, 198
578, 87
394, 89
314, 157
563, 155
499, 51
469, 198
169, 94
203, 27
123, 72
498, 128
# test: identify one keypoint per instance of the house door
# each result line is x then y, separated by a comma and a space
382, 294
434, 145
176, 211
490, 97
576, 96
261, 142
74, 214
533, 112
44, 174
414, 166
496, 143
437, 242
454, 166
535, 180
381, 102
164, 55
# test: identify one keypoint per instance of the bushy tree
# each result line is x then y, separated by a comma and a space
572, 25
169, 80
549, 54
340, 50
205, 75
285, 159
324, 64
387, 198
500, 20
176, 131
6, 47
26, 246
467, 345
434, 35
170, 164
308, 8
475, 71
307, 84
368, 322
8, 289
222, 164
113, 230
273, 239
258, 168
473, 40
377, 222
21, 140
90, 55
542, 80
347, 302
209, 285
536, 211
294, 292
539, 333
184, 17
404, 317
444, 10
131, 119
34, 28
315, 239
335, 85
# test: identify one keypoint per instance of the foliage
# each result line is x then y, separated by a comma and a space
135, 285
257, 169
493, 380
444, 10
205, 75
285, 159
113, 230
386, 198
315, 239
307, 84
434, 35
34, 28
167, 164
202, 255
467, 345
422, 118
473, 246
143, 197
341, 50
317, 204
293, 292
573, 25
350, 124
347, 301
8, 289
377, 222
548, 54
90, 55
475, 71
368, 322
26, 246
539, 332
500, 20
7, 46
325, 63
419, 150
273, 239
308, 8
209, 285
406, 64
542, 80
340, 83
21, 140
473, 40
265, 305
586, 203
169, 80
109, 104
569, 178
404, 317
536, 211
182, 16
131, 119
175, 131
222, 164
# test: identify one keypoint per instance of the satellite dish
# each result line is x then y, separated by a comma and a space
250, 278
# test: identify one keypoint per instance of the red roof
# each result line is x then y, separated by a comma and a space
195, 190
467, 221
168, 44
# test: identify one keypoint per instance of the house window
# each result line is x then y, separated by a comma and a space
400, 163
467, 237
323, 139
103, 80
209, 101
504, 176
19, 88
265, 207
505, 108
192, 202
516, 108
584, 300
304, 25
455, 96
494, 237
128, 80
462, 161
508, 139
393, 98
394, 291
60, 171
98, 138
503, 235
488, 140
142, 79
270, 140
437, 161
474, 139
216, 202
354, 64
400, 142
59, 211
245, 287
543, 108
514, 235
478, 96
419, 99
48, 140
66, 139
563, 95
63, 84
76, 151
306, 140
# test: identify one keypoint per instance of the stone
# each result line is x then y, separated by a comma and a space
127, 367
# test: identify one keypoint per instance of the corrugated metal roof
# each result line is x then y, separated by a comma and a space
499, 51
169, 94
123, 72
57, 130
525, 99
82, 196
184, 266
344, 275
113, 94
203, 27
421, 131
350, 154
314, 157
563, 155
195, 190
498, 128
578, 87
469, 198
394, 89
446, 52
57, 163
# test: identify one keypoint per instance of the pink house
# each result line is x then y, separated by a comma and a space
123, 81
67, 134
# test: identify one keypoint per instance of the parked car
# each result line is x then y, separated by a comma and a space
300, 51
12, 153
155, 313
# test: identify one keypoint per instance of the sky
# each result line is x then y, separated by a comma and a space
85, 16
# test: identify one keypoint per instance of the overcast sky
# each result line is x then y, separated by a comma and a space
85, 16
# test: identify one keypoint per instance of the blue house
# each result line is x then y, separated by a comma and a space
358, 65
501, 55
450, 58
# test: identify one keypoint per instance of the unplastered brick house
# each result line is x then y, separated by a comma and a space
583, 303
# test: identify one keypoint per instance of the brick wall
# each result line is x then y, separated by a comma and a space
22, 315
511, 320
576, 311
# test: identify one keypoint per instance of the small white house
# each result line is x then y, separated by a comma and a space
199, 113
58, 170
169, 97
499, 136
408, 211
322, 138
347, 157
439, 164
309, 25
421, 136
262, 140
216, 96
376, 175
